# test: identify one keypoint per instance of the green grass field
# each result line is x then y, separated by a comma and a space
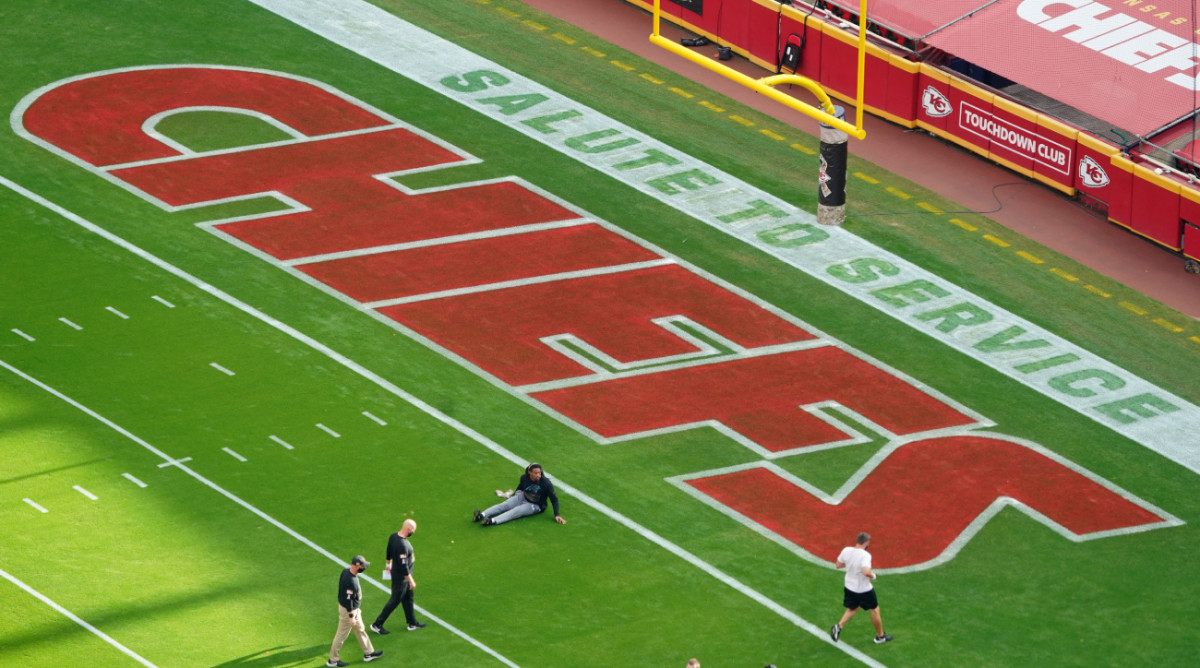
121, 324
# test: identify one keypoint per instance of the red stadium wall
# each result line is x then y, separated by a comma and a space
959, 110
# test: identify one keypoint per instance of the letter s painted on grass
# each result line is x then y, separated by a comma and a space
473, 82
862, 270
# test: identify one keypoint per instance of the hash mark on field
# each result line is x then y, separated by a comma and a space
23, 335
233, 454
222, 369
35, 505
866, 178
898, 193
281, 442
533, 24
1031, 257
741, 121
930, 208
963, 224
1059, 272
592, 52
1095, 290
84, 492
162, 301
624, 66
681, 92
1168, 325
803, 149
375, 419
771, 135
327, 430
116, 312
508, 12
70, 324
174, 462
709, 105
133, 480
998, 241
651, 79
563, 38
1194, 338
1135, 309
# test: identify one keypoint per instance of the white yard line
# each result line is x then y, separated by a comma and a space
36, 505
282, 442
23, 335
375, 419
84, 492
130, 478
71, 616
162, 301
168, 461
222, 369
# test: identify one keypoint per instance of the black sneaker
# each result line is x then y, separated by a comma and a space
336, 664
421, 625
879, 640
487, 522
379, 629
478, 516
373, 655
835, 632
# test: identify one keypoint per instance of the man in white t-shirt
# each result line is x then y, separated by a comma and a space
859, 593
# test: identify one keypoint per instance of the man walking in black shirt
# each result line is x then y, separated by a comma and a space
400, 567
350, 615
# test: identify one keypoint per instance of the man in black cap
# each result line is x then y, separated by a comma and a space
350, 615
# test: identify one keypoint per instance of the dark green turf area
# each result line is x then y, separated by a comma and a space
185, 576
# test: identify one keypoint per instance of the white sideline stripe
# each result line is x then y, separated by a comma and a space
169, 462
156, 298
281, 442
23, 335
84, 492
416, 403
70, 324
71, 616
234, 455
327, 430
116, 312
375, 419
222, 369
234, 498
35, 505
130, 478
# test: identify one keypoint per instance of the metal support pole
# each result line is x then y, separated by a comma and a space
831, 186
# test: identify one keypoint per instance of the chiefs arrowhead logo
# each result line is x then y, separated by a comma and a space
1091, 173
934, 103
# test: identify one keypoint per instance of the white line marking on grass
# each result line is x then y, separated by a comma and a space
84, 492
169, 462
222, 369
234, 498
116, 312
71, 616
35, 505
23, 335
130, 478
375, 419
282, 442
70, 324
416, 403
233, 454
162, 301
327, 430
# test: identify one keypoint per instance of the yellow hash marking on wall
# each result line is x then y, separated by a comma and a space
590, 51
1031, 257
563, 38
651, 79
899, 193
508, 12
1133, 308
866, 178
1059, 272
742, 121
1096, 290
534, 25
1167, 325
930, 208
803, 149
709, 105
997, 240
963, 224
621, 65
681, 92
771, 135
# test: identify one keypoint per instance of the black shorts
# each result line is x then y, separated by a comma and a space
865, 600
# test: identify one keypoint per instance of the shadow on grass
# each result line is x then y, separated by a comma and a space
278, 656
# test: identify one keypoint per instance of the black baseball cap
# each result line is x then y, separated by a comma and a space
360, 560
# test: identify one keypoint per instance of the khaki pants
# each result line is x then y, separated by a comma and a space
349, 621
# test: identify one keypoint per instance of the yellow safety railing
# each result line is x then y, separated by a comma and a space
765, 86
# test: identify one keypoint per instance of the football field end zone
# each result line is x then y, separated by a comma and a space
73, 617
1164, 423
182, 466
642, 531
